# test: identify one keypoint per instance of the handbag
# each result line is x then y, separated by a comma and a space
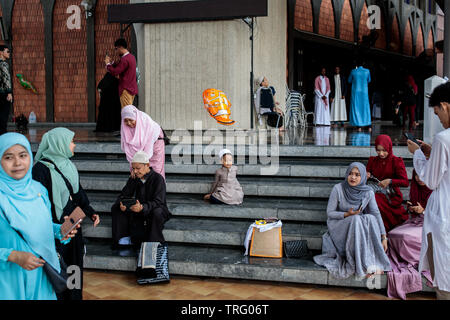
153, 263
57, 279
388, 192
296, 248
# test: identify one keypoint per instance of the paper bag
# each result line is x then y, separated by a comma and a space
267, 244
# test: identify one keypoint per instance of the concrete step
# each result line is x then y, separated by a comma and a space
252, 208
299, 168
215, 231
227, 263
309, 151
262, 187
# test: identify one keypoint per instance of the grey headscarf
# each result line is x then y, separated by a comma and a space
361, 193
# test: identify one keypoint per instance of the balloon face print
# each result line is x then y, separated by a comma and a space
218, 106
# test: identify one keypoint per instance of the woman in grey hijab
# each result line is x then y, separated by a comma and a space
356, 242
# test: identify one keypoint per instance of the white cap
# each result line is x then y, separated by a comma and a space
224, 152
140, 157
260, 80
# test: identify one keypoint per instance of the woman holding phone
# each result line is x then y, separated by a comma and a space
391, 171
60, 177
27, 234
356, 239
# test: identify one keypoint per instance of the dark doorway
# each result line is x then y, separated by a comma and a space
312, 52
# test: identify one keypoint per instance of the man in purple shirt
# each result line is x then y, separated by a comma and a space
125, 69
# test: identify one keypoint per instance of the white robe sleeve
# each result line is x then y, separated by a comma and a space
258, 102
431, 171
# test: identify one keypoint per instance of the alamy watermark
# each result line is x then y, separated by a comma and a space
74, 20
373, 281
74, 277
374, 20
250, 147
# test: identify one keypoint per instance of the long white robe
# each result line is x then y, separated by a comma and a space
322, 136
338, 137
322, 110
435, 173
338, 109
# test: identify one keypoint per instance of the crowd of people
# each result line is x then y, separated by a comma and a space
370, 231
330, 96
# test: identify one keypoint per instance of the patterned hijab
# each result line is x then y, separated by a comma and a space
25, 205
359, 194
55, 147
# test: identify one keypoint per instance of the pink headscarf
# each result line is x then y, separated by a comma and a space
140, 138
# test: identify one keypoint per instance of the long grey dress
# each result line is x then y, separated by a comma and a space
352, 245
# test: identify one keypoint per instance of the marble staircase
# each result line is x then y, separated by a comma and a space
207, 240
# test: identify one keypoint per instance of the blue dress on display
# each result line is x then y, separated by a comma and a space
359, 105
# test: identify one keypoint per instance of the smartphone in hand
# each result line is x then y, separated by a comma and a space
360, 208
75, 218
409, 136
128, 202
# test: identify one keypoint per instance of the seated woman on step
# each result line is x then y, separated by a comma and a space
266, 105
226, 188
355, 243
405, 242
390, 171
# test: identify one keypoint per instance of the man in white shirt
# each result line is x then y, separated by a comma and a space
433, 167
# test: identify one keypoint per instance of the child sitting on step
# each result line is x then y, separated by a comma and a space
226, 188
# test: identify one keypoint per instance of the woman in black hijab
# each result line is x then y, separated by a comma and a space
109, 109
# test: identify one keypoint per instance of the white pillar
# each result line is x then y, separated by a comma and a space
431, 123
447, 38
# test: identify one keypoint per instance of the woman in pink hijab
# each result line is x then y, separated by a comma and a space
140, 133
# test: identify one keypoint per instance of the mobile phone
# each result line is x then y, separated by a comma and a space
411, 137
360, 207
71, 228
75, 218
128, 202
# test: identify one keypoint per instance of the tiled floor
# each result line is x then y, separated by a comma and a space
123, 286
310, 135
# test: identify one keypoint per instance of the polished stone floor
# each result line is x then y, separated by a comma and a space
310, 135
99, 285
